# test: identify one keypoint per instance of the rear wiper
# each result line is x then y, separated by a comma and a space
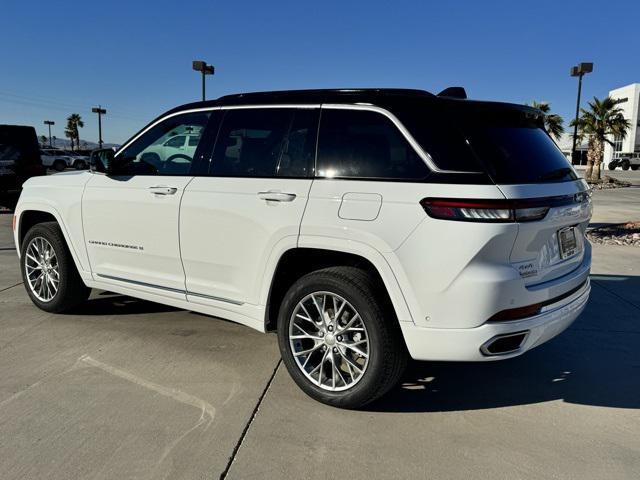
555, 174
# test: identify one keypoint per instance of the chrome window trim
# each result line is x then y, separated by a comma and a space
211, 109
334, 106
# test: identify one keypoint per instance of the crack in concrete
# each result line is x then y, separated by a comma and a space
245, 430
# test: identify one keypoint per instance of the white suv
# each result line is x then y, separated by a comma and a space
364, 226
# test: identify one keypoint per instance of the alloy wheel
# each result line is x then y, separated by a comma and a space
42, 269
329, 341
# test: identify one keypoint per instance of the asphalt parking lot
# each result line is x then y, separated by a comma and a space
129, 389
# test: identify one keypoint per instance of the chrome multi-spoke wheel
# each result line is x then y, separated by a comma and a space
42, 270
329, 341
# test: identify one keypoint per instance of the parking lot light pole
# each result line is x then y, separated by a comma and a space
200, 66
100, 111
578, 71
49, 123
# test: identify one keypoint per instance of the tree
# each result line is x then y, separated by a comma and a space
74, 122
552, 121
44, 140
603, 121
70, 135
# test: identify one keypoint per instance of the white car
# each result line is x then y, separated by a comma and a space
55, 159
364, 226
173, 152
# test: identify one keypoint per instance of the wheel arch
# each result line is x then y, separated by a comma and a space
296, 262
32, 214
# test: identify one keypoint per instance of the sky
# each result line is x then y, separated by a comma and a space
134, 57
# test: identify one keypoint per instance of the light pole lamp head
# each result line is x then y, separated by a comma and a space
200, 66
49, 122
581, 69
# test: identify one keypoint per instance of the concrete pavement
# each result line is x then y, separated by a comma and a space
129, 389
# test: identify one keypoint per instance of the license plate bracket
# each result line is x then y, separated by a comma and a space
568, 242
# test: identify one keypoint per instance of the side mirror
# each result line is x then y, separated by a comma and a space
102, 161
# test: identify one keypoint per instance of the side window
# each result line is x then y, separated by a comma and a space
365, 145
155, 153
265, 142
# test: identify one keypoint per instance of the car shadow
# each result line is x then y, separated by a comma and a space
107, 303
595, 362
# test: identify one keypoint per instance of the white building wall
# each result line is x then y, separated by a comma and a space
631, 111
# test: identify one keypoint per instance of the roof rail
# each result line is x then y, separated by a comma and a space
454, 92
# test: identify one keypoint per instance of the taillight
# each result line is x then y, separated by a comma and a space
502, 210
483, 210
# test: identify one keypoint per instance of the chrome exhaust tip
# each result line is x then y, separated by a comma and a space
504, 344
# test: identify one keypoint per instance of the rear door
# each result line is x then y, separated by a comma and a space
250, 204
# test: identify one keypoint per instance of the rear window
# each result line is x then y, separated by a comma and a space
520, 155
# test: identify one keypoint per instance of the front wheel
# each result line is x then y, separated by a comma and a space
625, 165
339, 338
48, 271
634, 167
59, 165
612, 166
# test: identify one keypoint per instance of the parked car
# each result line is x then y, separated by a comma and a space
55, 159
19, 157
625, 161
78, 160
173, 151
364, 226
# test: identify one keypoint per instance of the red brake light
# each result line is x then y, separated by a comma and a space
500, 210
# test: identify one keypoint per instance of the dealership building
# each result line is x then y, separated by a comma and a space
629, 101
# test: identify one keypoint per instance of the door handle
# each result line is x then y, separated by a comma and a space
276, 196
163, 190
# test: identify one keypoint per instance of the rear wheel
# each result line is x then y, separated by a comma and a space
339, 339
625, 165
48, 271
634, 167
612, 166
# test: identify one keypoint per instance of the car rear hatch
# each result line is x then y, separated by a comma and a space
537, 181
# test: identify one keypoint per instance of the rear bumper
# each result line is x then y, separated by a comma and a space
466, 344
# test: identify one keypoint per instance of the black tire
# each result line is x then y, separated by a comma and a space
625, 165
71, 289
80, 165
634, 167
612, 166
387, 351
59, 165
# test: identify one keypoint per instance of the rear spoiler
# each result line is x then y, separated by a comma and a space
454, 92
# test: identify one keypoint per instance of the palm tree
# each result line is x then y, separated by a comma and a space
552, 121
599, 124
74, 122
70, 135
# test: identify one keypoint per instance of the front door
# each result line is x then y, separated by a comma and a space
251, 203
130, 218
